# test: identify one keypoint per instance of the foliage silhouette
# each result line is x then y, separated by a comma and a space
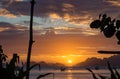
108, 26
114, 74
10, 70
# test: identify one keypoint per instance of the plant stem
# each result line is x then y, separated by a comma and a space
30, 38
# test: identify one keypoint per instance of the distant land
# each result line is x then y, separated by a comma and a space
45, 65
102, 63
90, 62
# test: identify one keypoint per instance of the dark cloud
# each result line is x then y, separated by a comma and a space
11, 26
5, 3
61, 7
9, 30
28, 22
13, 37
6, 25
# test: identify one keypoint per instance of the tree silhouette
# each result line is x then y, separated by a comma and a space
109, 27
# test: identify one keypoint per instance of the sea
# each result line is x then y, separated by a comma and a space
69, 74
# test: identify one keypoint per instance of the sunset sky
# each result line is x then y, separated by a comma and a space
61, 29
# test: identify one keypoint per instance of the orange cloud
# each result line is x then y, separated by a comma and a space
3, 29
54, 16
6, 13
114, 2
66, 5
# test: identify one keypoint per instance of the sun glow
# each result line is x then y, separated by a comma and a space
70, 61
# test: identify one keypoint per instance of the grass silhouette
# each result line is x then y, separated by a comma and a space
114, 74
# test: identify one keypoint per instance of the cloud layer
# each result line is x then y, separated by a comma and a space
60, 26
73, 10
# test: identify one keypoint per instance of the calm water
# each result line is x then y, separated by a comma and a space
68, 74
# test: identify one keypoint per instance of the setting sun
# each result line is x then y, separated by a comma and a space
69, 61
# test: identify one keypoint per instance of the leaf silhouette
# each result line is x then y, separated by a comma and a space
43, 75
102, 77
113, 76
93, 74
23, 73
118, 36
95, 24
117, 74
118, 24
109, 31
107, 26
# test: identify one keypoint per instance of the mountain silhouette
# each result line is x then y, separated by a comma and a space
45, 65
94, 62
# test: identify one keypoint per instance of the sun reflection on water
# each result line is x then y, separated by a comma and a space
69, 76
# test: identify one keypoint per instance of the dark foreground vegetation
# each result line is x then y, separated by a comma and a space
10, 70
114, 74
109, 27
